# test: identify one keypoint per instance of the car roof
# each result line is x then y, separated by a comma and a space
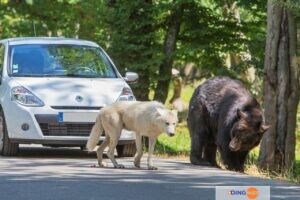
47, 40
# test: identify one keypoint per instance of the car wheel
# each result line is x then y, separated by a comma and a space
127, 150
7, 148
83, 148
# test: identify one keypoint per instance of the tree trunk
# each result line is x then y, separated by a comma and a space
281, 90
165, 69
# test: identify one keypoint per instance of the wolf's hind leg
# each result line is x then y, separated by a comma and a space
101, 149
139, 152
111, 149
152, 142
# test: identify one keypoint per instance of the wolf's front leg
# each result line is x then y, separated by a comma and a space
152, 142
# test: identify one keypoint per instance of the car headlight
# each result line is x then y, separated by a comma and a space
25, 97
126, 95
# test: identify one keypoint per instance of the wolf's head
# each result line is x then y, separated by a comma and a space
168, 120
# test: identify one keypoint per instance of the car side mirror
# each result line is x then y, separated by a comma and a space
131, 77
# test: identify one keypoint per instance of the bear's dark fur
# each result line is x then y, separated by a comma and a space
224, 115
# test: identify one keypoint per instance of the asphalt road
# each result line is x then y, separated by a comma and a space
54, 174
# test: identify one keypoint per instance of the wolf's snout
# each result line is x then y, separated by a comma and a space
170, 131
171, 134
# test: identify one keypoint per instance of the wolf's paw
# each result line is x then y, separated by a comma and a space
137, 164
152, 168
102, 164
120, 166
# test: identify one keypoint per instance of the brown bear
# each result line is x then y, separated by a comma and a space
224, 115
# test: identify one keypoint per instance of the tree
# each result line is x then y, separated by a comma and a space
165, 68
281, 88
133, 41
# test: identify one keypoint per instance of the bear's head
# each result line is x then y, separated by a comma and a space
248, 130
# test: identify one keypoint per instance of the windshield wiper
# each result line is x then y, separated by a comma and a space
64, 75
57, 75
80, 76
27, 75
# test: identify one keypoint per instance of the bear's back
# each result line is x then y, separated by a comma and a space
220, 94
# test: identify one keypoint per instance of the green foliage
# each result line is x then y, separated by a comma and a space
210, 32
133, 41
67, 18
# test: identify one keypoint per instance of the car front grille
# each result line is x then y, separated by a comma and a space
66, 129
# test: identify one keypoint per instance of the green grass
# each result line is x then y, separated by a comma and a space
179, 145
174, 146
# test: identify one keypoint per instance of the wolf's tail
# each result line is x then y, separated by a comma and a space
95, 134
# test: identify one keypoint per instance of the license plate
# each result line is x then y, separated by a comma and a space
77, 116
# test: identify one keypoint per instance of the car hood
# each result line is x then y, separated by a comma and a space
74, 91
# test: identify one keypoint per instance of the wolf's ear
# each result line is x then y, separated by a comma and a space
175, 112
160, 111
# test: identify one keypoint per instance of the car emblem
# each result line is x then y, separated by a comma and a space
79, 98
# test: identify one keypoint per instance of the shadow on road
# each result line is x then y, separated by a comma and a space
54, 152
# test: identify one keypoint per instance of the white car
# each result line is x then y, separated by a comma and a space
51, 90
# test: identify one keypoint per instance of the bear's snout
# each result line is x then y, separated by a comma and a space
234, 145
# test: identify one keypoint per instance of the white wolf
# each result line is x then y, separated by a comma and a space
144, 118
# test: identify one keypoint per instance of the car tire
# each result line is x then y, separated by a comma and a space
83, 148
126, 150
7, 148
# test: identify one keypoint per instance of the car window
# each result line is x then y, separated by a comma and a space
1, 60
60, 60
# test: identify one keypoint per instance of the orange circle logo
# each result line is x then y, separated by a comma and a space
252, 193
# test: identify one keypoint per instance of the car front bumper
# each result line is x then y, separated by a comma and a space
45, 127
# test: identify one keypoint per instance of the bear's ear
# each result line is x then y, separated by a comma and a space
264, 128
241, 114
161, 111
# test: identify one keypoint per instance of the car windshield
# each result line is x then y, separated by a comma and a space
40, 60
